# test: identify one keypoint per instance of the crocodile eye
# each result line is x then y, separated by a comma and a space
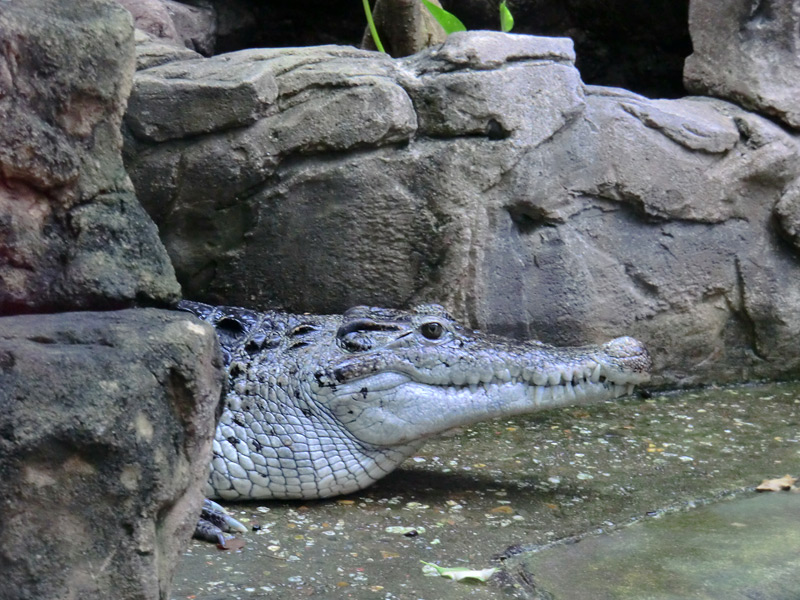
432, 330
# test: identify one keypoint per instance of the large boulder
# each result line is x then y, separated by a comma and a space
485, 175
748, 52
106, 421
72, 234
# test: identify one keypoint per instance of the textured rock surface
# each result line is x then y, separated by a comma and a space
175, 23
106, 422
483, 174
72, 234
748, 52
787, 212
187, 98
151, 52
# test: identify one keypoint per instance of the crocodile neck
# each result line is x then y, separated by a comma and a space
273, 442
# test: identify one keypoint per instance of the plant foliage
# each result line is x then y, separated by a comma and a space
449, 22
506, 18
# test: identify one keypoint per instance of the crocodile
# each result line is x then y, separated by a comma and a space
325, 405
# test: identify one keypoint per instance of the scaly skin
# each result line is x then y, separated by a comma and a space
322, 405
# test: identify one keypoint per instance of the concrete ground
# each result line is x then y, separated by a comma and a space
658, 492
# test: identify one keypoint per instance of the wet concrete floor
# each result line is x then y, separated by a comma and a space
638, 482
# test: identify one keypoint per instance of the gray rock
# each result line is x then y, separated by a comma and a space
631, 231
151, 53
329, 99
787, 211
699, 129
233, 90
491, 50
107, 421
65, 72
153, 18
196, 25
456, 85
529, 204
748, 52
186, 98
175, 24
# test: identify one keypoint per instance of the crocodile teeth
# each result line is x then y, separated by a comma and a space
595, 377
503, 375
538, 394
539, 378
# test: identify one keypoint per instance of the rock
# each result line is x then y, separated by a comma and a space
186, 98
152, 53
71, 232
528, 203
175, 23
451, 99
787, 211
491, 50
329, 99
701, 129
747, 52
107, 421
630, 231
153, 18
196, 25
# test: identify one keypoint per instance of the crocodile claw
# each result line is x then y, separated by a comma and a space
214, 521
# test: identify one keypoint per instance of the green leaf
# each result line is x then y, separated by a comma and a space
506, 18
459, 573
372, 28
448, 21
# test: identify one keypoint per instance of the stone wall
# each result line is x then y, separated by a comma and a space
482, 174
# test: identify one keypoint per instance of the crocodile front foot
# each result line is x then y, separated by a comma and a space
214, 522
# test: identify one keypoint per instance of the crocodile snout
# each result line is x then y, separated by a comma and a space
630, 355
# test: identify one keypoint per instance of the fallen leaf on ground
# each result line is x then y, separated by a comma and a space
506, 510
777, 485
459, 573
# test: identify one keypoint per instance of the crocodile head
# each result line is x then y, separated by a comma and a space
320, 405
393, 377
